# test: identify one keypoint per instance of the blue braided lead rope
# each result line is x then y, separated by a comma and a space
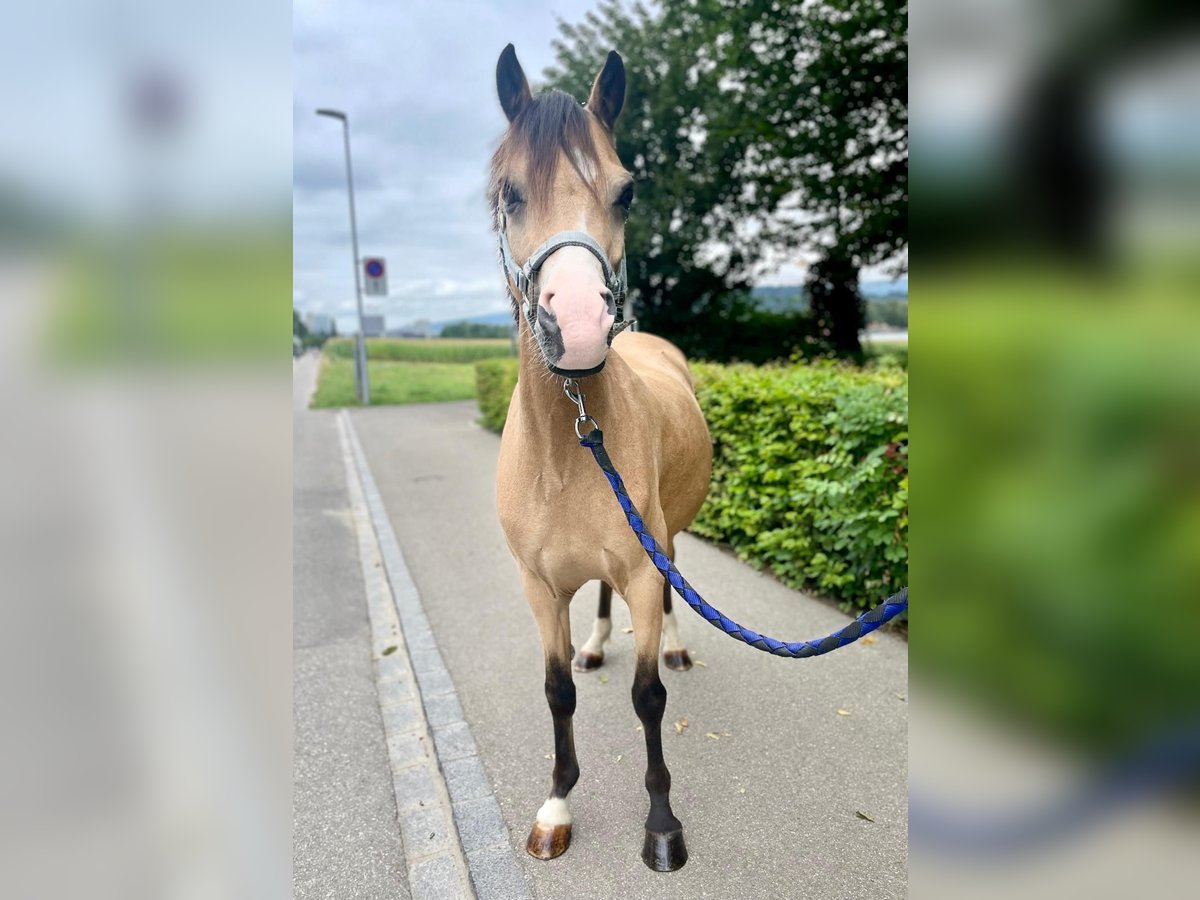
864, 624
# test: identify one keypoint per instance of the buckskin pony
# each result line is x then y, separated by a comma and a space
560, 197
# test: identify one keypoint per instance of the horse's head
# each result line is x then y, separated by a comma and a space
559, 196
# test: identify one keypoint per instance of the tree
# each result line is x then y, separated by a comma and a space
685, 199
476, 330
754, 128
827, 87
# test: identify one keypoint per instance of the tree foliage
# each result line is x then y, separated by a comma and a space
755, 129
685, 197
476, 330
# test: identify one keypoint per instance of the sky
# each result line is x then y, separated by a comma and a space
68, 71
418, 82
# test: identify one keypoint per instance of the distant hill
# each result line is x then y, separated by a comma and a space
885, 290
782, 297
777, 298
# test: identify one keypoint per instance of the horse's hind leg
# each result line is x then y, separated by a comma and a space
591, 655
664, 849
675, 655
551, 832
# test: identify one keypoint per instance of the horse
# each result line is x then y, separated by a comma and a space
559, 197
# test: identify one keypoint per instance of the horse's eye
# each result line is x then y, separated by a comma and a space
511, 198
626, 199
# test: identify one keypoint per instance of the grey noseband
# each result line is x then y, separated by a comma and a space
525, 278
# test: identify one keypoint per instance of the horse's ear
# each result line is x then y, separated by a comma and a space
511, 84
608, 92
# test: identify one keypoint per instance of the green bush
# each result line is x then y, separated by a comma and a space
419, 350
810, 474
495, 380
810, 470
886, 354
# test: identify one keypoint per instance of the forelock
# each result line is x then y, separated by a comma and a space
551, 123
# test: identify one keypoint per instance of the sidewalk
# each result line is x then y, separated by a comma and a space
778, 756
346, 836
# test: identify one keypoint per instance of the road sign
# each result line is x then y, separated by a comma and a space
375, 280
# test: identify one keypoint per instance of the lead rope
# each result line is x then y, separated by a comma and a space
864, 624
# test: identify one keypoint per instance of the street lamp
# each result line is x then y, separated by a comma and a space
360, 347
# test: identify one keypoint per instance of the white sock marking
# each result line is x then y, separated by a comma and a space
554, 812
601, 629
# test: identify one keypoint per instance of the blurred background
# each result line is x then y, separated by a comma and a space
145, 490
145, 495
1056, 173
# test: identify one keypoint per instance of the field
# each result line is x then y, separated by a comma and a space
433, 350
180, 297
405, 370
394, 382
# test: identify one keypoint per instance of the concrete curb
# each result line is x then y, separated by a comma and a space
446, 804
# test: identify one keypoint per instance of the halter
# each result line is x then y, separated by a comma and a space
525, 278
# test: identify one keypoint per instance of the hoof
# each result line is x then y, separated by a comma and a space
677, 660
664, 852
587, 661
548, 841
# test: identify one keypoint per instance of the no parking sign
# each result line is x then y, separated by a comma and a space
375, 272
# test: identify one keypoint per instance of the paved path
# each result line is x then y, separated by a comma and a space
769, 806
346, 836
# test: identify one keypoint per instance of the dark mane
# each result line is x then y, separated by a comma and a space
552, 121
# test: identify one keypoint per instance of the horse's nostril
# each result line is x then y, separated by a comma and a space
610, 302
545, 298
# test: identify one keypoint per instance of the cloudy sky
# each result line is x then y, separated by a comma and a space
418, 81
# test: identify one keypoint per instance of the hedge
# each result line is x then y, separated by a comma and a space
495, 380
810, 470
443, 350
810, 474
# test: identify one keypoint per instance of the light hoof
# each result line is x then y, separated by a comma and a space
664, 852
548, 841
586, 661
677, 660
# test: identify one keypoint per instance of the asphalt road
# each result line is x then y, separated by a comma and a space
778, 758
346, 839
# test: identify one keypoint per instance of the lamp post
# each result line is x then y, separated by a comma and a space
360, 347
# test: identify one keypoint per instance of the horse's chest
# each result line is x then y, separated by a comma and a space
565, 525
555, 510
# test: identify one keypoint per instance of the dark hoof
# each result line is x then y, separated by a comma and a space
677, 660
664, 852
587, 661
548, 841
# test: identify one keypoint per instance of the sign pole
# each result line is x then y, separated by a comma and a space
360, 347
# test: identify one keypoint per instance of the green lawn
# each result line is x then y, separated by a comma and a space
182, 296
394, 382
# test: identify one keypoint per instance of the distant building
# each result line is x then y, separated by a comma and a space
319, 323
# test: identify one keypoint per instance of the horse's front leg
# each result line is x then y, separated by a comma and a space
664, 849
551, 832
